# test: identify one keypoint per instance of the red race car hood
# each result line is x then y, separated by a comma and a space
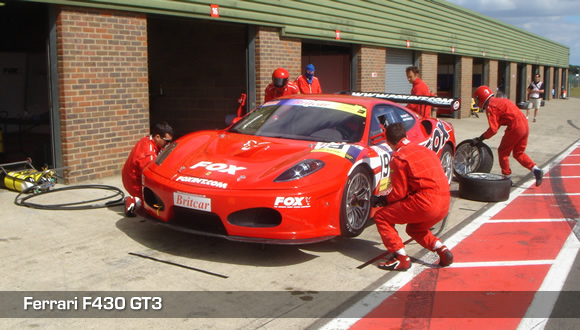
230, 160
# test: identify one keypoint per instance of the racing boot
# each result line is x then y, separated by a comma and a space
445, 256
539, 174
397, 262
131, 206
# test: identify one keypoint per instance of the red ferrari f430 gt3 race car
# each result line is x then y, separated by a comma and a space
298, 169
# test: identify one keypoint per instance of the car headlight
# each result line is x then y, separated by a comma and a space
300, 170
164, 153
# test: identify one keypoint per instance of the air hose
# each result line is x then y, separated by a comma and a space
115, 198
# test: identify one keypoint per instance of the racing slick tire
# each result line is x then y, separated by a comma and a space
484, 187
356, 203
472, 157
447, 162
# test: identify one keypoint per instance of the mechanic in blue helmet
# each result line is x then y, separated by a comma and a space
307, 83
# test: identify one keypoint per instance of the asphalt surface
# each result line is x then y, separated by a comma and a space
218, 283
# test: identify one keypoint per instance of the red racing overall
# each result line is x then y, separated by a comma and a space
419, 198
142, 154
420, 88
502, 112
273, 92
305, 88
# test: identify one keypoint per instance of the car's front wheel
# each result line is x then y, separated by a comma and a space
447, 162
356, 203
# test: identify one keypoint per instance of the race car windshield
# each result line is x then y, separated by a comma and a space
319, 121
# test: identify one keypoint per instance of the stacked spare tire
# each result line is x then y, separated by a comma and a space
472, 165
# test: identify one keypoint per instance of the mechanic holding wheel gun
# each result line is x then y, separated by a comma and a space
144, 152
503, 112
419, 198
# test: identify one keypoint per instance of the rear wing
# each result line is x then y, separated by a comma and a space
435, 101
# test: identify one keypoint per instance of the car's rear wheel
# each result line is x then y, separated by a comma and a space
447, 162
356, 203
472, 157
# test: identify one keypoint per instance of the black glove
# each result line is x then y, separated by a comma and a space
478, 139
379, 201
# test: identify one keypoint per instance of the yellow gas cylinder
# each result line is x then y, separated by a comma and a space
21, 180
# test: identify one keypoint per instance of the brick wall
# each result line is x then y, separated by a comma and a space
371, 68
512, 88
465, 88
272, 52
104, 104
492, 74
428, 70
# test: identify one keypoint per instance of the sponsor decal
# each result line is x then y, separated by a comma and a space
292, 202
417, 99
438, 138
191, 201
348, 151
252, 144
218, 167
354, 109
205, 182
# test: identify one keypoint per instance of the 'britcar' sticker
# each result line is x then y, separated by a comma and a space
191, 201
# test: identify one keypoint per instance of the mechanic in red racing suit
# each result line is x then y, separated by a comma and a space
419, 88
307, 83
280, 85
144, 152
419, 198
503, 112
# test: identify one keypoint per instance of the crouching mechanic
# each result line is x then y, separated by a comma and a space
144, 152
419, 198
503, 112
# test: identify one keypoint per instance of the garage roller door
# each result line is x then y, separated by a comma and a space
396, 80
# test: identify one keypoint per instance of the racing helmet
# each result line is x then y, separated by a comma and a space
482, 95
280, 78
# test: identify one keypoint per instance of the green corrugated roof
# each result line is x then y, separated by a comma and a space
429, 25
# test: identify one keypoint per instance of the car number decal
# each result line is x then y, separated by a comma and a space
383, 177
191, 201
347, 151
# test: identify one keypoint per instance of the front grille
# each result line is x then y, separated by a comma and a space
197, 220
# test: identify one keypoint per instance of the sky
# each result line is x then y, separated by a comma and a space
557, 20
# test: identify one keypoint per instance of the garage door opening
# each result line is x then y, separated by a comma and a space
24, 84
332, 64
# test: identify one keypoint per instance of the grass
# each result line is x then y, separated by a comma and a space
575, 92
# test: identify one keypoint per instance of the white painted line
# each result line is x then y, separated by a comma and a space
500, 263
526, 220
554, 281
542, 194
374, 299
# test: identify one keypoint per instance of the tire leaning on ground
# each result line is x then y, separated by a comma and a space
484, 187
472, 157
